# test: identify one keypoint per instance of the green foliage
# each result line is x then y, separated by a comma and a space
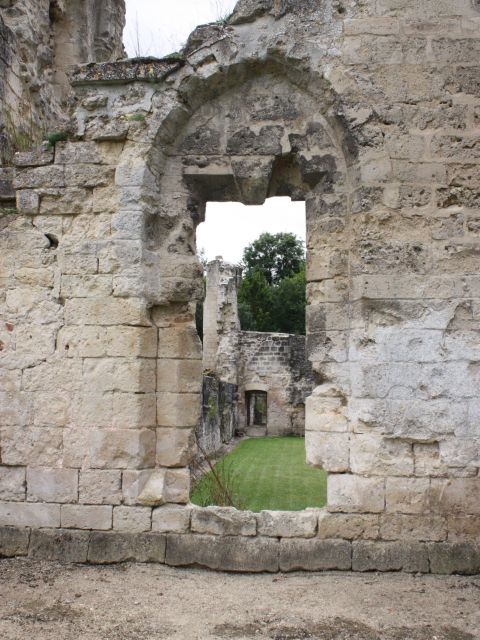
57, 136
277, 256
136, 117
265, 473
272, 293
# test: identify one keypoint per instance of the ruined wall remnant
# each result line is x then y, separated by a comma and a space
367, 111
40, 41
219, 419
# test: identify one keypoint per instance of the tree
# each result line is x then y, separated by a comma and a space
277, 256
272, 293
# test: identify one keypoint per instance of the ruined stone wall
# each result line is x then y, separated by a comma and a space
219, 419
367, 111
40, 40
276, 363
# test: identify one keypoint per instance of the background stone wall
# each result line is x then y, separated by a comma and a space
278, 364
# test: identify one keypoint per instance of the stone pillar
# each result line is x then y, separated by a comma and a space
221, 324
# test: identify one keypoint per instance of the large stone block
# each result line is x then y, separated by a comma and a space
458, 495
52, 485
226, 553
329, 451
371, 454
175, 447
225, 521
121, 449
411, 557
12, 483
287, 524
315, 555
463, 528
349, 526
164, 486
13, 542
180, 343
131, 341
59, 544
134, 410
171, 518
106, 311
419, 528
132, 519
407, 495
114, 547
448, 558
21, 514
179, 376
100, 487
178, 409
86, 517
354, 494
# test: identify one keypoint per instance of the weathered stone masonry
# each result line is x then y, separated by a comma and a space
367, 111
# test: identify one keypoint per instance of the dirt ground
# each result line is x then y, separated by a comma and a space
47, 601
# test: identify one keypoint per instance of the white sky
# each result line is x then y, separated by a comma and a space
159, 27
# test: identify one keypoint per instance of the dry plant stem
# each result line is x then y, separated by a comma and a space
215, 474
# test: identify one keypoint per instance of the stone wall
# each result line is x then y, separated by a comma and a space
219, 420
367, 111
276, 363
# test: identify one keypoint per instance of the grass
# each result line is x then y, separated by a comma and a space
267, 473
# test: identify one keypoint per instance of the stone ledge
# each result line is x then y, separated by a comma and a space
124, 71
246, 554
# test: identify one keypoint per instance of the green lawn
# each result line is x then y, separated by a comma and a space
266, 473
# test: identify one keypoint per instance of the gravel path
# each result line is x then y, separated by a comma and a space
46, 601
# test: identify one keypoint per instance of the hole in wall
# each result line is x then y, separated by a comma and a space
256, 376
53, 240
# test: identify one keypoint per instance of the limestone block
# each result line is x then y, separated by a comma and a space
428, 461
15, 408
67, 202
463, 528
178, 409
325, 412
449, 558
51, 409
413, 527
88, 175
59, 545
134, 410
348, 526
36, 158
133, 483
227, 553
329, 451
179, 342
52, 485
458, 495
390, 556
27, 201
287, 524
131, 341
373, 455
175, 447
31, 445
164, 486
407, 495
91, 410
91, 286
40, 177
106, 311
13, 542
23, 514
179, 376
77, 153
119, 374
121, 449
12, 483
132, 519
82, 342
315, 555
353, 494
115, 546
83, 516
63, 374
171, 518
223, 521
100, 487
75, 447
77, 264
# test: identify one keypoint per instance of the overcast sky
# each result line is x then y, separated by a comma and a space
159, 27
